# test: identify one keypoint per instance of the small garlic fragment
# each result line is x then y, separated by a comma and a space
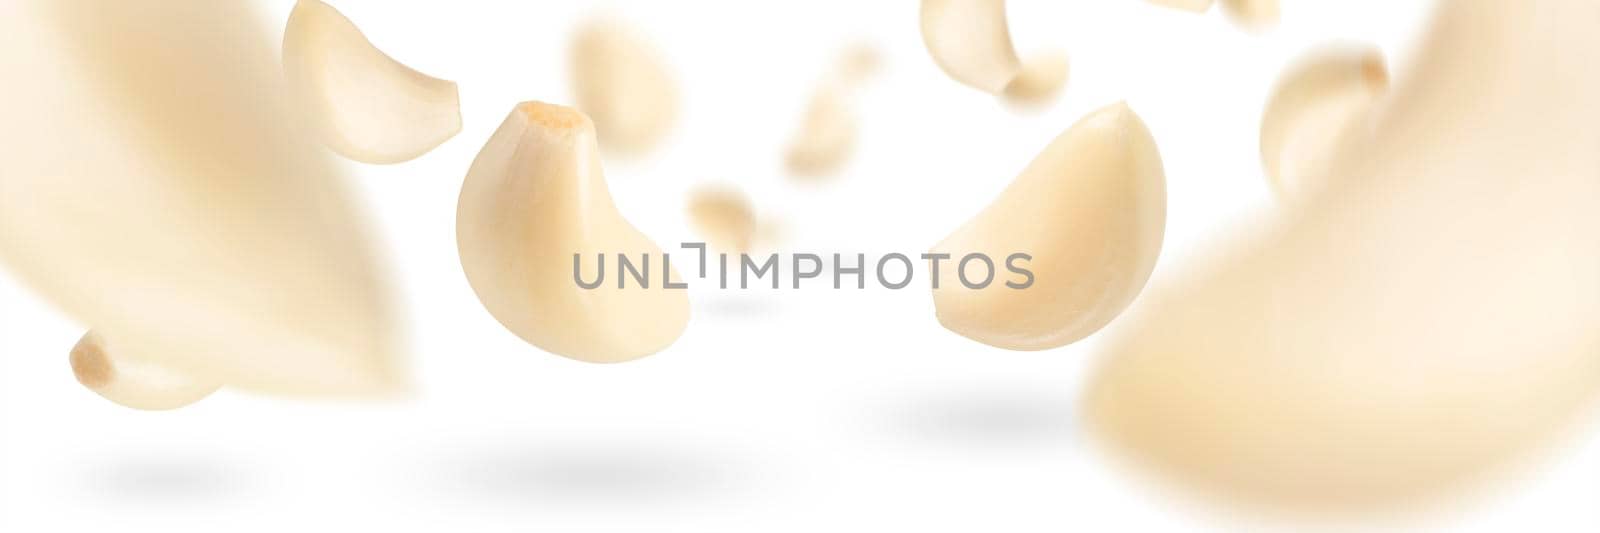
1252, 15
1316, 103
1090, 214
134, 383
827, 135
623, 86
534, 203
1197, 6
723, 217
365, 105
1423, 325
153, 187
971, 41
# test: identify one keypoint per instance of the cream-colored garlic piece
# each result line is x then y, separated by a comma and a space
534, 199
365, 105
723, 216
827, 135
623, 86
1422, 325
1316, 103
1252, 15
1090, 211
136, 383
1039, 82
971, 41
152, 186
1197, 6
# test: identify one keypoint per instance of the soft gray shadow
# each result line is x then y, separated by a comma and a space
595, 473
165, 480
740, 306
998, 416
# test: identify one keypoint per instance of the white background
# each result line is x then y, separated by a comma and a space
812, 410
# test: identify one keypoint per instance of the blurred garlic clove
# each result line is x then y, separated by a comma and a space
827, 135
133, 383
1423, 324
1039, 82
623, 86
1315, 105
971, 41
152, 187
858, 63
1197, 6
534, 202
1252, 15
1090, 212
723, 216
365, 105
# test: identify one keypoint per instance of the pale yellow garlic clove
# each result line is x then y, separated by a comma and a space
1090, 215
971, 41
1316, 104
1422, 325
535, 201
1252, 15
827, 135
1197, 6
152, 187
1039, 82
623, 86
365, 105
137, 383
723, 216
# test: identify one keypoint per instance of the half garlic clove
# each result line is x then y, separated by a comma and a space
1090, 214
971, 41
137, 383
623, 86
152, 187
1425, 322
1252, 15
723, 216
534, 204
1197, 6
1315, 105
365, 105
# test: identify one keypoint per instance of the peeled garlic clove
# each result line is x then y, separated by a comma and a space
723, 217
621, 84
1317, 102
365, 105
1425, 322
534, 201
135, 383
152, 187
827, 135
1252, 15
971, 42
1039, 82
1090, 212
1197, 6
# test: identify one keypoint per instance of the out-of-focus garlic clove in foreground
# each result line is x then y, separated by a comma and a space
827, 135
365, 105
971, 41
723, 216
153, 188
1252, 15
535, 205
1089, 214
623, 86
1422, 326
1196, 6
1316, 104
136, 383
